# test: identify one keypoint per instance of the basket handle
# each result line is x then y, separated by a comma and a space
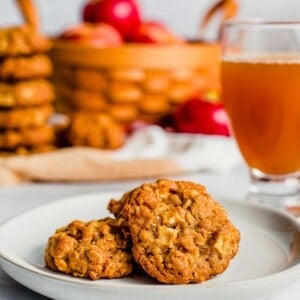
229, 9
29, 13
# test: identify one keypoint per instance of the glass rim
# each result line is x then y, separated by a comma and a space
261, 23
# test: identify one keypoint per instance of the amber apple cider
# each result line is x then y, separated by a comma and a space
262, 99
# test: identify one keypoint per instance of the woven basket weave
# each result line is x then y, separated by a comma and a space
133, 81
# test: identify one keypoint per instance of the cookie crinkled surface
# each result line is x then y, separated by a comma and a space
179, 233
95, 249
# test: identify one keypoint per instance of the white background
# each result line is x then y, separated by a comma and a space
181, 15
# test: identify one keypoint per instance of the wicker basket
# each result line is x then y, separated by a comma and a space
136, 81
133, 81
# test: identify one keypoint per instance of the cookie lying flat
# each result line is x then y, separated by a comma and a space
19, 68
27, 137
96, 249
96, 130
26, 93
25, 117
179, 234
23, 40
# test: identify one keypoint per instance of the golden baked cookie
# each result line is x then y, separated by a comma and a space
26, 93
27, 137
179, 233
96, 249
97, 130
25, 117
19, 68
23, 40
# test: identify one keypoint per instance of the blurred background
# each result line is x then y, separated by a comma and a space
181, 15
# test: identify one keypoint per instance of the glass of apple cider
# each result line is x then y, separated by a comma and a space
261, 94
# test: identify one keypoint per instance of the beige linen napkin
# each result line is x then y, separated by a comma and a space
150, 152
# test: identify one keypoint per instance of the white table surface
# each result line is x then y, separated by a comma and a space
14, 200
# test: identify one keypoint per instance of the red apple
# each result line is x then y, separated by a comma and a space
88, 12
124, 15
155, 32
98, 35
199, 116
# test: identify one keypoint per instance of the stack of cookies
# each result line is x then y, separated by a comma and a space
26, 94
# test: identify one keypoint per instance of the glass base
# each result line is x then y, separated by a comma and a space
276, 190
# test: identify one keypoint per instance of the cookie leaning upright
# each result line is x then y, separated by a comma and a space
26, 93
179, 233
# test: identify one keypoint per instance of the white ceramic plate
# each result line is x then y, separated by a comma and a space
268, 259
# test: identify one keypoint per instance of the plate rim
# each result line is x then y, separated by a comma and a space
101, 283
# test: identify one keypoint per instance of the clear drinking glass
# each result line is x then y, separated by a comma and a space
261, 94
